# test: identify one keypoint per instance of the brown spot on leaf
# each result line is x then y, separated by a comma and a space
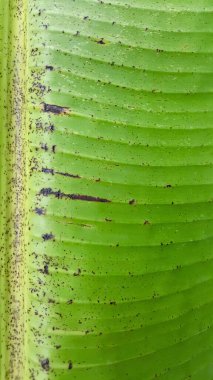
69, 364
132, 202
146, 222
101, 41
49, 236
49, 67
77, 273
53, 108
40, 211
45, 363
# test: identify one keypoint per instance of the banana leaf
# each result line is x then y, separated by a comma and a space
106, 168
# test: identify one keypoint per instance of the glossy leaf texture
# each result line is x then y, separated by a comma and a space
120, 147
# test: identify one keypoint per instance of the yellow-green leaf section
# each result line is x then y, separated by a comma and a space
112, 274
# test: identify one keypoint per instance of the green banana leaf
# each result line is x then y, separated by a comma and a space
106, 168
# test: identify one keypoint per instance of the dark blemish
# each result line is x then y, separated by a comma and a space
112, 303
132, 202
45, 364
86, 17
49, 171
48, 236
46, 269
159, 50
57, 346
101, 41
49, 68
88, 198
97, 180
167, 186
53, 148
50, 300
146, 222
44, 147
77, 33
77, 273
59, 194
85, 225
69, 364
113, 23
108, 220
45, 26
40, 211
68, 175
51, 128
69, 302
54, 108
46, 191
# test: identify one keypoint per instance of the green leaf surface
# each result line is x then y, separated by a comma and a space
106, 138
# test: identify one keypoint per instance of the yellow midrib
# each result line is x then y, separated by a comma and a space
13, 189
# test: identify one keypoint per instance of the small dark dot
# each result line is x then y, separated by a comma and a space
132, 202
46, 269
69, 364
